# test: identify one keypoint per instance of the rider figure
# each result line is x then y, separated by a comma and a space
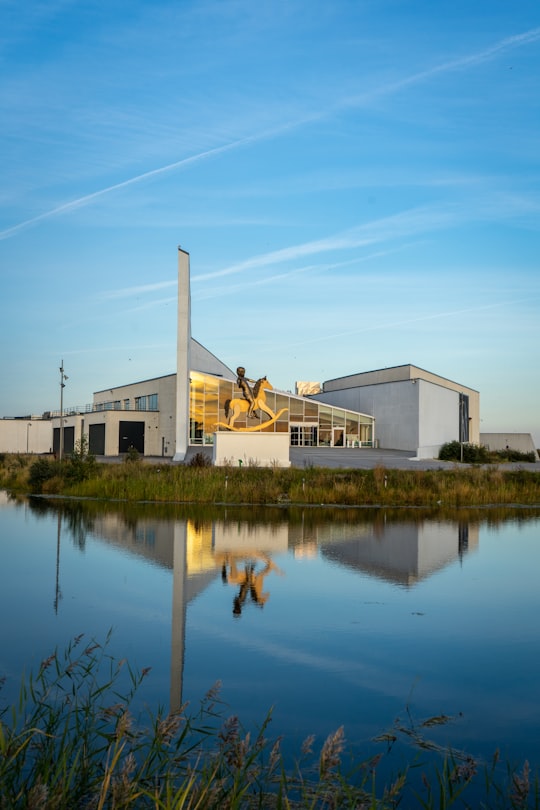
243, 383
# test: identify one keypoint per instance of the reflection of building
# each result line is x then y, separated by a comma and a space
404, 553
241, 553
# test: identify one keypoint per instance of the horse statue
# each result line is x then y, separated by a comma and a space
237, 407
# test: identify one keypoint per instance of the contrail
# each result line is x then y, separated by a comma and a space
405, 322
89, 198
516, 40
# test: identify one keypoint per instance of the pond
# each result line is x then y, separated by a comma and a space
331, 617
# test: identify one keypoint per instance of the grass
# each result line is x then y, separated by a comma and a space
138, 481
72, 740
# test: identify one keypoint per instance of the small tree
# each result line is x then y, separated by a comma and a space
132, 455
81, 464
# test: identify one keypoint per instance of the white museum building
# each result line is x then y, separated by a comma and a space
401, 408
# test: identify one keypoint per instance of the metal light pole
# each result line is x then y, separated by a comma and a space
62, 386
28, 426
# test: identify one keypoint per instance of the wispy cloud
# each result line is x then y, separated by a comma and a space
81, 202
470, 60
229, 289
141, 289
407, 321
404, 224
462, 63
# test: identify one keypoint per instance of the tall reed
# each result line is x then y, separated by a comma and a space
73, 739
457, 486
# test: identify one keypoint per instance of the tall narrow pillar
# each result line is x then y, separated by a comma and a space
183, 364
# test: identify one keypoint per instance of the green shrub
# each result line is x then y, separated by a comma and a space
132, 455
40, 472
200, 460
515, 455
81, 465
472, 453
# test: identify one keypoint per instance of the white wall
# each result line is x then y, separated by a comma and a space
522, 442
26, 436
155, 439
395, 406
439, 418
256, 449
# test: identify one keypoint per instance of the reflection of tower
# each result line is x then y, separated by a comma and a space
183, 343
57, 592
178, 622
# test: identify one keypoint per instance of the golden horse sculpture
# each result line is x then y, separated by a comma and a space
237, 407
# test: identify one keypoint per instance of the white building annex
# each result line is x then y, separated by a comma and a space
415, 410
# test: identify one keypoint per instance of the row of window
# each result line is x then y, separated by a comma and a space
217, 404
148, 402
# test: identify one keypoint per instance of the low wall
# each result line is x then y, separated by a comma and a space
522, 442
251, 449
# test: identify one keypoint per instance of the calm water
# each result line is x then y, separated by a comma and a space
343, 617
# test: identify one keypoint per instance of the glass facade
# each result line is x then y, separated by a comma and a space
308, 422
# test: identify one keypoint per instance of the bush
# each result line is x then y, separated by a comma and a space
81, 465
200, 460
132, 455
478, 454
472, 453
515, 455
41, 471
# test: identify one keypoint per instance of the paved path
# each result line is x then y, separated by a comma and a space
363, 458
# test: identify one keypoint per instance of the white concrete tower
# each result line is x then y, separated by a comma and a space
183, 364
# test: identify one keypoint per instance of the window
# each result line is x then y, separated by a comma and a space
140, 403
153, 402
463, 418
126, 405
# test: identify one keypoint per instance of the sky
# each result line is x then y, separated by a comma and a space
357, 184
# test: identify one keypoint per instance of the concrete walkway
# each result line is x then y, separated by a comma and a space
366, 458
363, 458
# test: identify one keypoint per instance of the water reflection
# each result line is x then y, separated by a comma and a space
402, 553
239, 549
249, 580
57, 591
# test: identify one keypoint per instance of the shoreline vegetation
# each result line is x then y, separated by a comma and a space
80, 476
74, 739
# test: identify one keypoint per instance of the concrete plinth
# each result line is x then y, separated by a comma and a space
251, 449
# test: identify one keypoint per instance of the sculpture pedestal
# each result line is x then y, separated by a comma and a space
234, 449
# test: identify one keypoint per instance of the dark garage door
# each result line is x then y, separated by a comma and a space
131, 434
69, 441
96, 439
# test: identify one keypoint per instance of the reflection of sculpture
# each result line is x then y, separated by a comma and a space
250, 582
236, 407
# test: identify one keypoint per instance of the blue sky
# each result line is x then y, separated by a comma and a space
357, 183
